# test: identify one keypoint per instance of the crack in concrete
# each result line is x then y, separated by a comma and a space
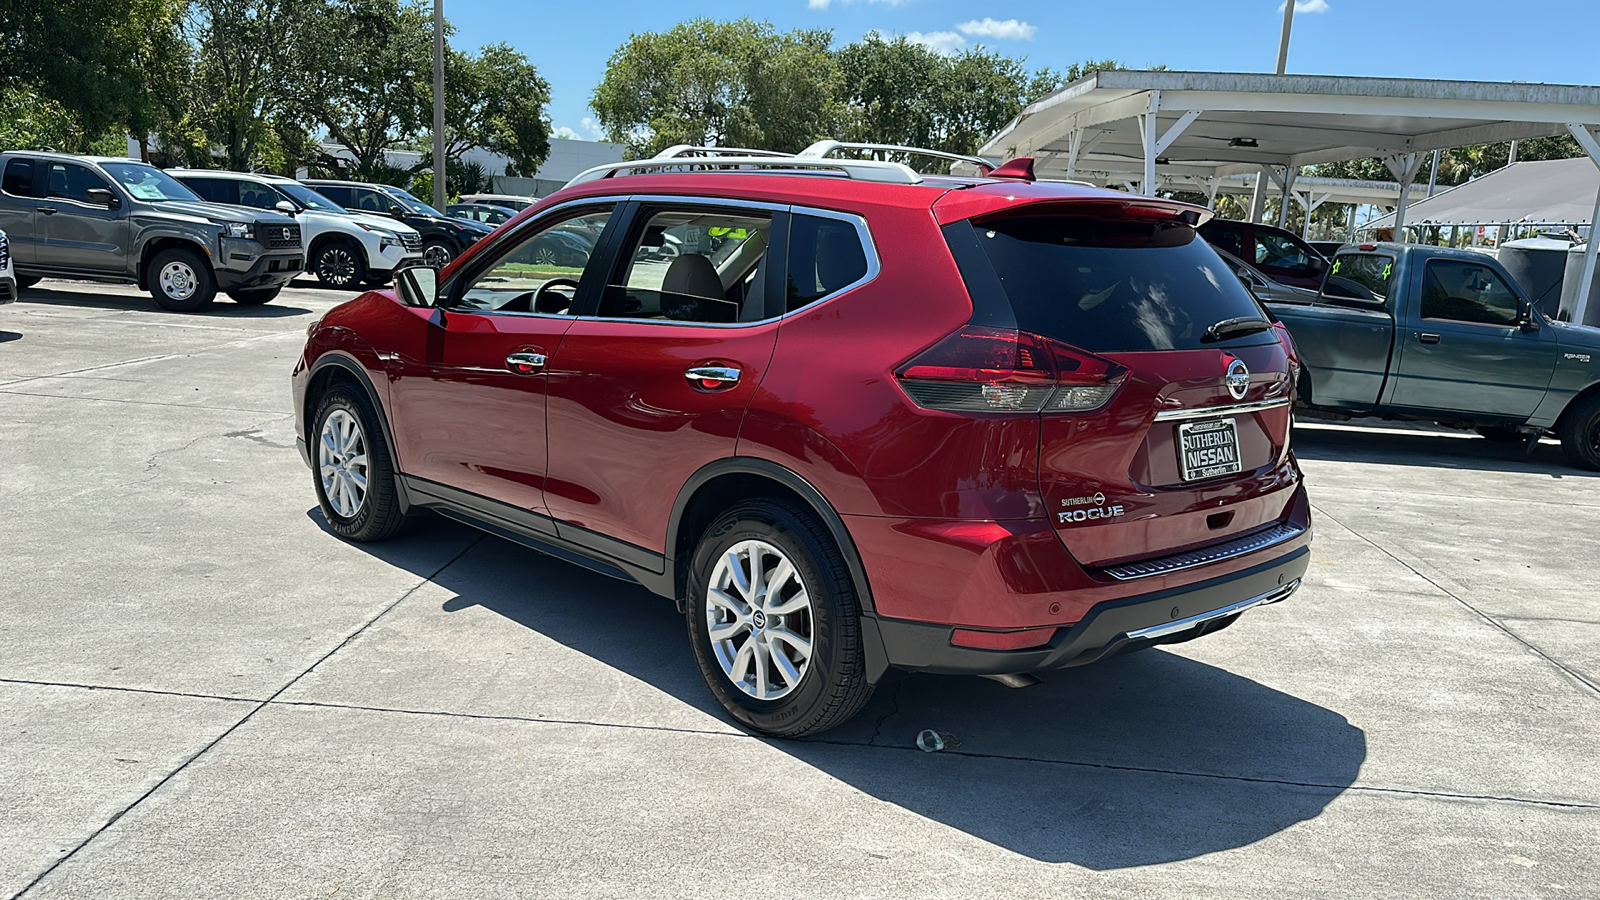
1490, 620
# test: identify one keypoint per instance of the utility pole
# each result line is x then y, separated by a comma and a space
438, 104
1283, 42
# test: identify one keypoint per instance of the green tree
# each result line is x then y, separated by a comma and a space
740, 83
494, 100
249, 63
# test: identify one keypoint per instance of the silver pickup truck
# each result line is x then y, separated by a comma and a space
122, 220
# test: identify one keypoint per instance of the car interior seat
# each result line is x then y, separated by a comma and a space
692, 291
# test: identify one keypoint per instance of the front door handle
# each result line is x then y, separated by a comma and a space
712, 378
1428, 338
526, 362
47, 210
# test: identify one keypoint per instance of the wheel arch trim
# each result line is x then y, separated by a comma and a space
343, 360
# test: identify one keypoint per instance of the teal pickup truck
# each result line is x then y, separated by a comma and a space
1405, 331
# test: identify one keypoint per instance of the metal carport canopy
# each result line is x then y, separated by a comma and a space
1210, 124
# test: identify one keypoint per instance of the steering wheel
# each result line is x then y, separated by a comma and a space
547, 301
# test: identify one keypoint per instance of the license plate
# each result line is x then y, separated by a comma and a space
1208, 449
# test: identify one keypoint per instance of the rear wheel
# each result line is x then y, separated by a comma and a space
353, 470
255, 297
181, 281
774, 621
338, 265
1579, 432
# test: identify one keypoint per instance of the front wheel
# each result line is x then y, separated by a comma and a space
353, 470
775, 622
181, 281
1579, 431
437, 253
338, 266
255, 297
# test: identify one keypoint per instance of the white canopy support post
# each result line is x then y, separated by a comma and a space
1212, 185
1073, 143
1309, 201
1404, 167
1258, 197
1147, 131
1289, 175
1580, 302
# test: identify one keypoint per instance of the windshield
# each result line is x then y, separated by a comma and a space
415, 205
148, 182
307, 197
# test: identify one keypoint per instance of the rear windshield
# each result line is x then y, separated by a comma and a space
1363, 277
1100, 284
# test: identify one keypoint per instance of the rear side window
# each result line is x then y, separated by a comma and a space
334, 192
1362, 277
18, 178
214, 190
1103, 285
825, 256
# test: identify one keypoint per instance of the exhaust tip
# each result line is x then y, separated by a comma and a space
1020, 680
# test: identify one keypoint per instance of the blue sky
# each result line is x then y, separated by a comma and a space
1503, 40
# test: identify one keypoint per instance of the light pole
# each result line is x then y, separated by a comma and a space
1283, 42
438, 104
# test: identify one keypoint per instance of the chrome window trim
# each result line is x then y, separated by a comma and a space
514, 238
1206, 412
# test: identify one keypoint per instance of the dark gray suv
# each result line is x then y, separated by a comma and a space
122, 220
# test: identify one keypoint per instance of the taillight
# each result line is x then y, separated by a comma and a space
982, 369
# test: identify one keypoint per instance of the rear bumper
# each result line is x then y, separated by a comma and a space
1165, 616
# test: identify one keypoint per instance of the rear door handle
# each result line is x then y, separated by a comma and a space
713, 378
1428, 338
47, 210
526, 362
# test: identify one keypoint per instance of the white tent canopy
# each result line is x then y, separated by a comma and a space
1556, 191
1202, 126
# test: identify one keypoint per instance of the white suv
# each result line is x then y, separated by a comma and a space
343, 249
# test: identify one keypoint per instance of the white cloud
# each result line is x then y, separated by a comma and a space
565, 133
825, 4
1008, 30
1303, 6
946, 42
588, 130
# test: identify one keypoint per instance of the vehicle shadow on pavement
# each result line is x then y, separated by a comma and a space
1144, 759
1459, 450
222, 307
7, 337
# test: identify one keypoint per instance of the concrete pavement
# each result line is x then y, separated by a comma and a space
203, 693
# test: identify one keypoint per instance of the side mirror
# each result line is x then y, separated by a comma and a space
1530, 322
417, 286
285, 207
103, 196
398, 212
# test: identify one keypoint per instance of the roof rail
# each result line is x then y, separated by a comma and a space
857, 169
679, 151
821, 150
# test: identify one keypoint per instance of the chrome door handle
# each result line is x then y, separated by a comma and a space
1427, 338
713, 378
525, 363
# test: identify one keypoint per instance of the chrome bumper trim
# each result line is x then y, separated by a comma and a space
1177, 562
1207, 412
1166, 628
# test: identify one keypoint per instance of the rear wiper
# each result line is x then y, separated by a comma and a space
1235, 327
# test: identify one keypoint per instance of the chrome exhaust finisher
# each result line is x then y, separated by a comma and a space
1169, 628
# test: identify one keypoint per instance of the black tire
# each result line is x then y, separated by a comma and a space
28, 281
255, 297
1579, 431
377, 517
377, 279
192, 287
339, 265
832, 686
1501, 434
438, 253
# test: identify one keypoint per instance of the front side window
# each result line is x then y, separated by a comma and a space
693, 265
339, 194
1459, 291
541, 272
18, 181
259, 196
369, 200
148, 182
1281, 252
73, 182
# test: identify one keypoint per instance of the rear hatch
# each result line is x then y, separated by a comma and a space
1167, 426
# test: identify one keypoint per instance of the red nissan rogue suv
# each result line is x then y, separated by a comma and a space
848, 416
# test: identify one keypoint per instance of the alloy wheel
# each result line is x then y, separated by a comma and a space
342, 463
544, 256
437, 255
179, 280
759, 619
336, 266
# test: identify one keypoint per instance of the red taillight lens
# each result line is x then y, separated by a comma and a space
983, 369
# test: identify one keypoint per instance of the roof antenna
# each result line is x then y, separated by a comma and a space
1020, 168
